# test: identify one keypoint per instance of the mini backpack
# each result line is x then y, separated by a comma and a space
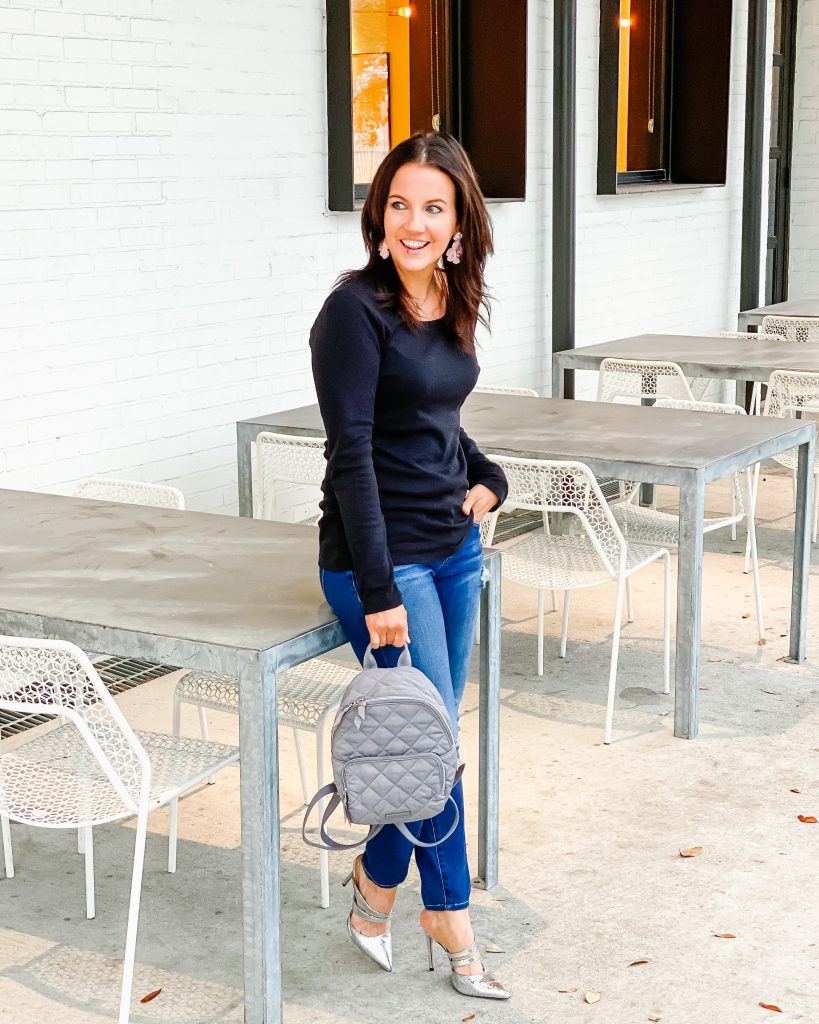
393, 752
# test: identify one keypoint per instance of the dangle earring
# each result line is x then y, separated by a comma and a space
456, 250
383, 250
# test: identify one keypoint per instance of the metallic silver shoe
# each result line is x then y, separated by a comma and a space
376, 947
482, 986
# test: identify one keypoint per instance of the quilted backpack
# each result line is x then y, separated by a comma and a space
393, 751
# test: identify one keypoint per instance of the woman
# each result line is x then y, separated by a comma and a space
400, 555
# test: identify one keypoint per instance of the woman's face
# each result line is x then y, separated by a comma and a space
420, 218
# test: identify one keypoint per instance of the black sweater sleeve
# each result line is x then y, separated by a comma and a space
481, 470
346, 356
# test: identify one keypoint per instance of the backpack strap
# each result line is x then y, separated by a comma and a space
368, 661
327, 841
405, 832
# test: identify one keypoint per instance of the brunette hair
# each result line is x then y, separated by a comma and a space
463, 284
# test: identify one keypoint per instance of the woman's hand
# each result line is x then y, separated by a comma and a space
389, 627
479, 500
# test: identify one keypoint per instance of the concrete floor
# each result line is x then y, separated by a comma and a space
592, 879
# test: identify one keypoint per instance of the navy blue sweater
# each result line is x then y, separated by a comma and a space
398, 463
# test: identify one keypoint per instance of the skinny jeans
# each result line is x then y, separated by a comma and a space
441, 599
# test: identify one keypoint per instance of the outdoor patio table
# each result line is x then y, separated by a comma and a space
725, 358
682, 449
219, 593
790, 307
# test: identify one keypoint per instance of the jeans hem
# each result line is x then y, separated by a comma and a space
381, 885
447, 906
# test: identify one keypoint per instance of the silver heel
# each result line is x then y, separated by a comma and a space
481, 986
376, 947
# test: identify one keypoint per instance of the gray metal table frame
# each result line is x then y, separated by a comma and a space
121, 559
697, 355
614, 441
790, 307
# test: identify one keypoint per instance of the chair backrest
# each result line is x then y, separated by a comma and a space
569, 487
751, 336
636, 379
792, 394
793, 328
54, 677
501, 389
130, 492
728, 409
289, 472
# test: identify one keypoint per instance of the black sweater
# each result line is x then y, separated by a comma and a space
398, 463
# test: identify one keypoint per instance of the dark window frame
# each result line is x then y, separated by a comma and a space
488, 120
697, 116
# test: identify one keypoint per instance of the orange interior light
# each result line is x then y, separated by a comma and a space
400, 12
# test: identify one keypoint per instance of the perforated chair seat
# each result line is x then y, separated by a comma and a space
562, 563
305, 693
650, 526
55, 778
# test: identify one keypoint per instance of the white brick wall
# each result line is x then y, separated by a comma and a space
165, 243
803, 267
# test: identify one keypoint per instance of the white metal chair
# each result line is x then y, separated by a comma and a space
641, 381
93, 768
502, 389
131, 492
650, 526
793, 395
289, 472
589, 551
756, 393
793, 328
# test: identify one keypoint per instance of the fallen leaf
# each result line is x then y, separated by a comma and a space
783, 634
567, 990
770, 1006
642, 960
705, 687
492, 948
655, 1018
692, 851
808, 819
592, 997
150, 996
500, 899
796, 791
724, 935
773, 693
761, 641
746, 615
470, 1017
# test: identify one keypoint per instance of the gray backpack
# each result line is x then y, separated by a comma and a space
393, 752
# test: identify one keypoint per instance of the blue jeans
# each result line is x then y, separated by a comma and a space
441, 599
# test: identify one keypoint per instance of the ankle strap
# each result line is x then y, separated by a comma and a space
363, 908
466, 956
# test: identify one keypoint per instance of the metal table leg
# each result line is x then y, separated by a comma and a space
258, 719
489, 712
558, 383
244, 438
801, 551
689, 606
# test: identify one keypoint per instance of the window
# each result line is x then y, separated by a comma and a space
664, 90
394, 69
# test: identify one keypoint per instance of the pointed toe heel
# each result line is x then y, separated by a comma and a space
479, 986
377, 947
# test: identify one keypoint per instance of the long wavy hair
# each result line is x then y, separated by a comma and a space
462, 283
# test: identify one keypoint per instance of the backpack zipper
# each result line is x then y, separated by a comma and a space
363, 701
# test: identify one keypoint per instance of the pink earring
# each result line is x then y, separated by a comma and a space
456, 250
383, 250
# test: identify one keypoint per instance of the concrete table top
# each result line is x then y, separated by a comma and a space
790, 307
190, 576
608, 437
698, 356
